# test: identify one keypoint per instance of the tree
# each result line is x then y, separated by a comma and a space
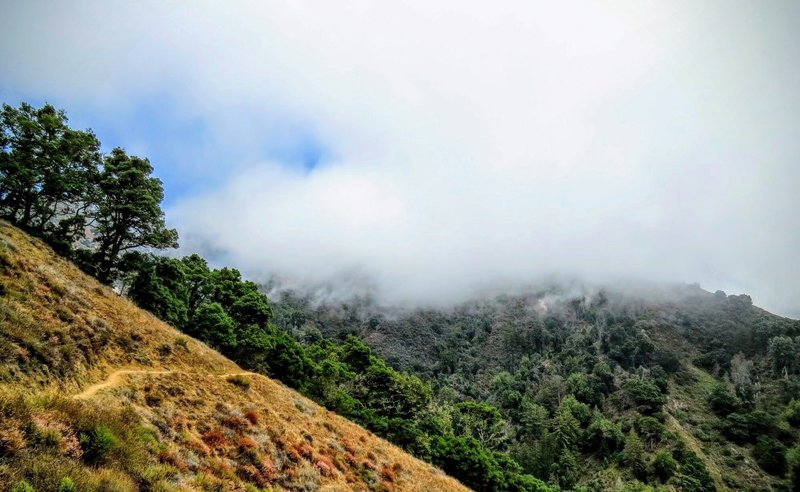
722, 400
128, 214
603, 435
198, 278
212, 324
770, 455
646, 394
783, 353
633, 455
47, 173
566, 469
160, 287
793, 463
664, 465
566, 429
481, 421
741, 377
533, 420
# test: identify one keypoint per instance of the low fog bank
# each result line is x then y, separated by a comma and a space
554, 296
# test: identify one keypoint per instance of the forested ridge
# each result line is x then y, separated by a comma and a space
597, 389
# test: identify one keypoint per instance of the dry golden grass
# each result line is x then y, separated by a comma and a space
65, 336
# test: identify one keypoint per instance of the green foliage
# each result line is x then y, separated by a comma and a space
604, 436
97, 444
48, 173
770, 454
783, 353
742, 427
22, 486
212, 324
645, 394
566, 469
650, 429
722, 400
792, 413
128, 212
466, 460
481, 421
664, 465
634, 456
694, 475
55, 184
566, 429
533, 420
66, 485
159, 285
793, 465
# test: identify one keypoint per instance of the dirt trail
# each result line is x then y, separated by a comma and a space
115, 378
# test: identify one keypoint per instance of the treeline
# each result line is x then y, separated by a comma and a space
104, 212
56, 184
230, 314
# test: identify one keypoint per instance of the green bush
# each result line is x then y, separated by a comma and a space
792, 413
66, 485
646, 394
664, 465
742, 427
22, 486
98, 443
722, 400
770, 455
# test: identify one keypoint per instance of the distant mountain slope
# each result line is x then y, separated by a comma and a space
667, 385
96, 394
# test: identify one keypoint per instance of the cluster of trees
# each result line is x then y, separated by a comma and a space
576, 389
56, 184
220, 308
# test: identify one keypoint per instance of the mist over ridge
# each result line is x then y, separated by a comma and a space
439, 149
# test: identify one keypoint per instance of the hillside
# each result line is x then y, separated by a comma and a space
665, 385
97, 394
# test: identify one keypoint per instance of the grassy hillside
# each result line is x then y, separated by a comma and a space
661, 386
96, 394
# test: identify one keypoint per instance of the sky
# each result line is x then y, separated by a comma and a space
426, 149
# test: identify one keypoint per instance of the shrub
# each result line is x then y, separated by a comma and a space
182, 343
240, 381
694, 475
793, 462
741, 427
664, 465
66, 485
12, 439
770, 455
604, 436
22, 486
650, 429
98, 443
645, 393
792, 413
722, 400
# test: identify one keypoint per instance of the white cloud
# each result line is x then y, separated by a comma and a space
471, 143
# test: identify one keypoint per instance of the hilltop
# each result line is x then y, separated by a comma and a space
97, 394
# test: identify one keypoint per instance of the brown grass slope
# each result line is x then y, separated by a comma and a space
74, 356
